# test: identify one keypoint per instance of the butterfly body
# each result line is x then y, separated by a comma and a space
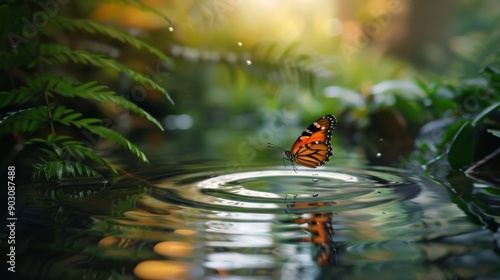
313, 148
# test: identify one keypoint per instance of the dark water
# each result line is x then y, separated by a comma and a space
261, 223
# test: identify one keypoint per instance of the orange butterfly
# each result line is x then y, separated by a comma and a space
313, 147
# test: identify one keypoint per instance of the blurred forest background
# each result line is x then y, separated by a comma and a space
244, 73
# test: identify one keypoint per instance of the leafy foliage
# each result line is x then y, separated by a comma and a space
33, 102
59, 54
138, 4
461, 150
55, 85
92, 27
476, 107
466, 108
57, 169
128, 202
463, 145
65, 157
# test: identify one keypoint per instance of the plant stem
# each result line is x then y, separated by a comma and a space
50, 112
46, 97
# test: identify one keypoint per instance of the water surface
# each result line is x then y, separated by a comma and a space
267, 223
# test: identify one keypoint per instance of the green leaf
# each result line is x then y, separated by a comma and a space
22, 56
58, 112
93, 92
70, 117
48, 152
347, 97
57, 169
142, 7
117, 138
430, 89
410, 108
461, 151
490, 70
78, 151
450, 132
18, 96
406, 88
93, 27
484, 113
492, 191
52, 54
495, 132
25, 121
68, 148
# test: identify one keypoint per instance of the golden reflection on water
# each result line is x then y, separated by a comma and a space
162, 269
185, 231
174, 249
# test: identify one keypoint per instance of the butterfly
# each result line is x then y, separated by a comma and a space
313, 147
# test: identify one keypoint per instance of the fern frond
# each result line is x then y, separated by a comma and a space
117, 138
142, 7
92, 26
57, 169
22, 56
66, 147
26, 120
31, 92
52, 84
30, 120
91, 91
64, 156
52, 54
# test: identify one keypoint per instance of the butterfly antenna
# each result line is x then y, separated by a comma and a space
270, 145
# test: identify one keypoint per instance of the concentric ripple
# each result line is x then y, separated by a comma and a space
268, 219
272, 222
272, 191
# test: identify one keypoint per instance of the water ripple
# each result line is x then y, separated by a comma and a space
274, 222
268, 191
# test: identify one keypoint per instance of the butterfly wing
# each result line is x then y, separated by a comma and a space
312, 155
313, 147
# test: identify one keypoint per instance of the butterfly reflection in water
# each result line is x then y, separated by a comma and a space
313, 147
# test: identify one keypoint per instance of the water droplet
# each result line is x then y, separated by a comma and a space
315, 180
240, 44
383, 213
249, 62
315, 195
378, 191
171, 29
379, 154
381, 139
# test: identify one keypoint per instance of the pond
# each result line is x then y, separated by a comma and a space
202, 221
201, 89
